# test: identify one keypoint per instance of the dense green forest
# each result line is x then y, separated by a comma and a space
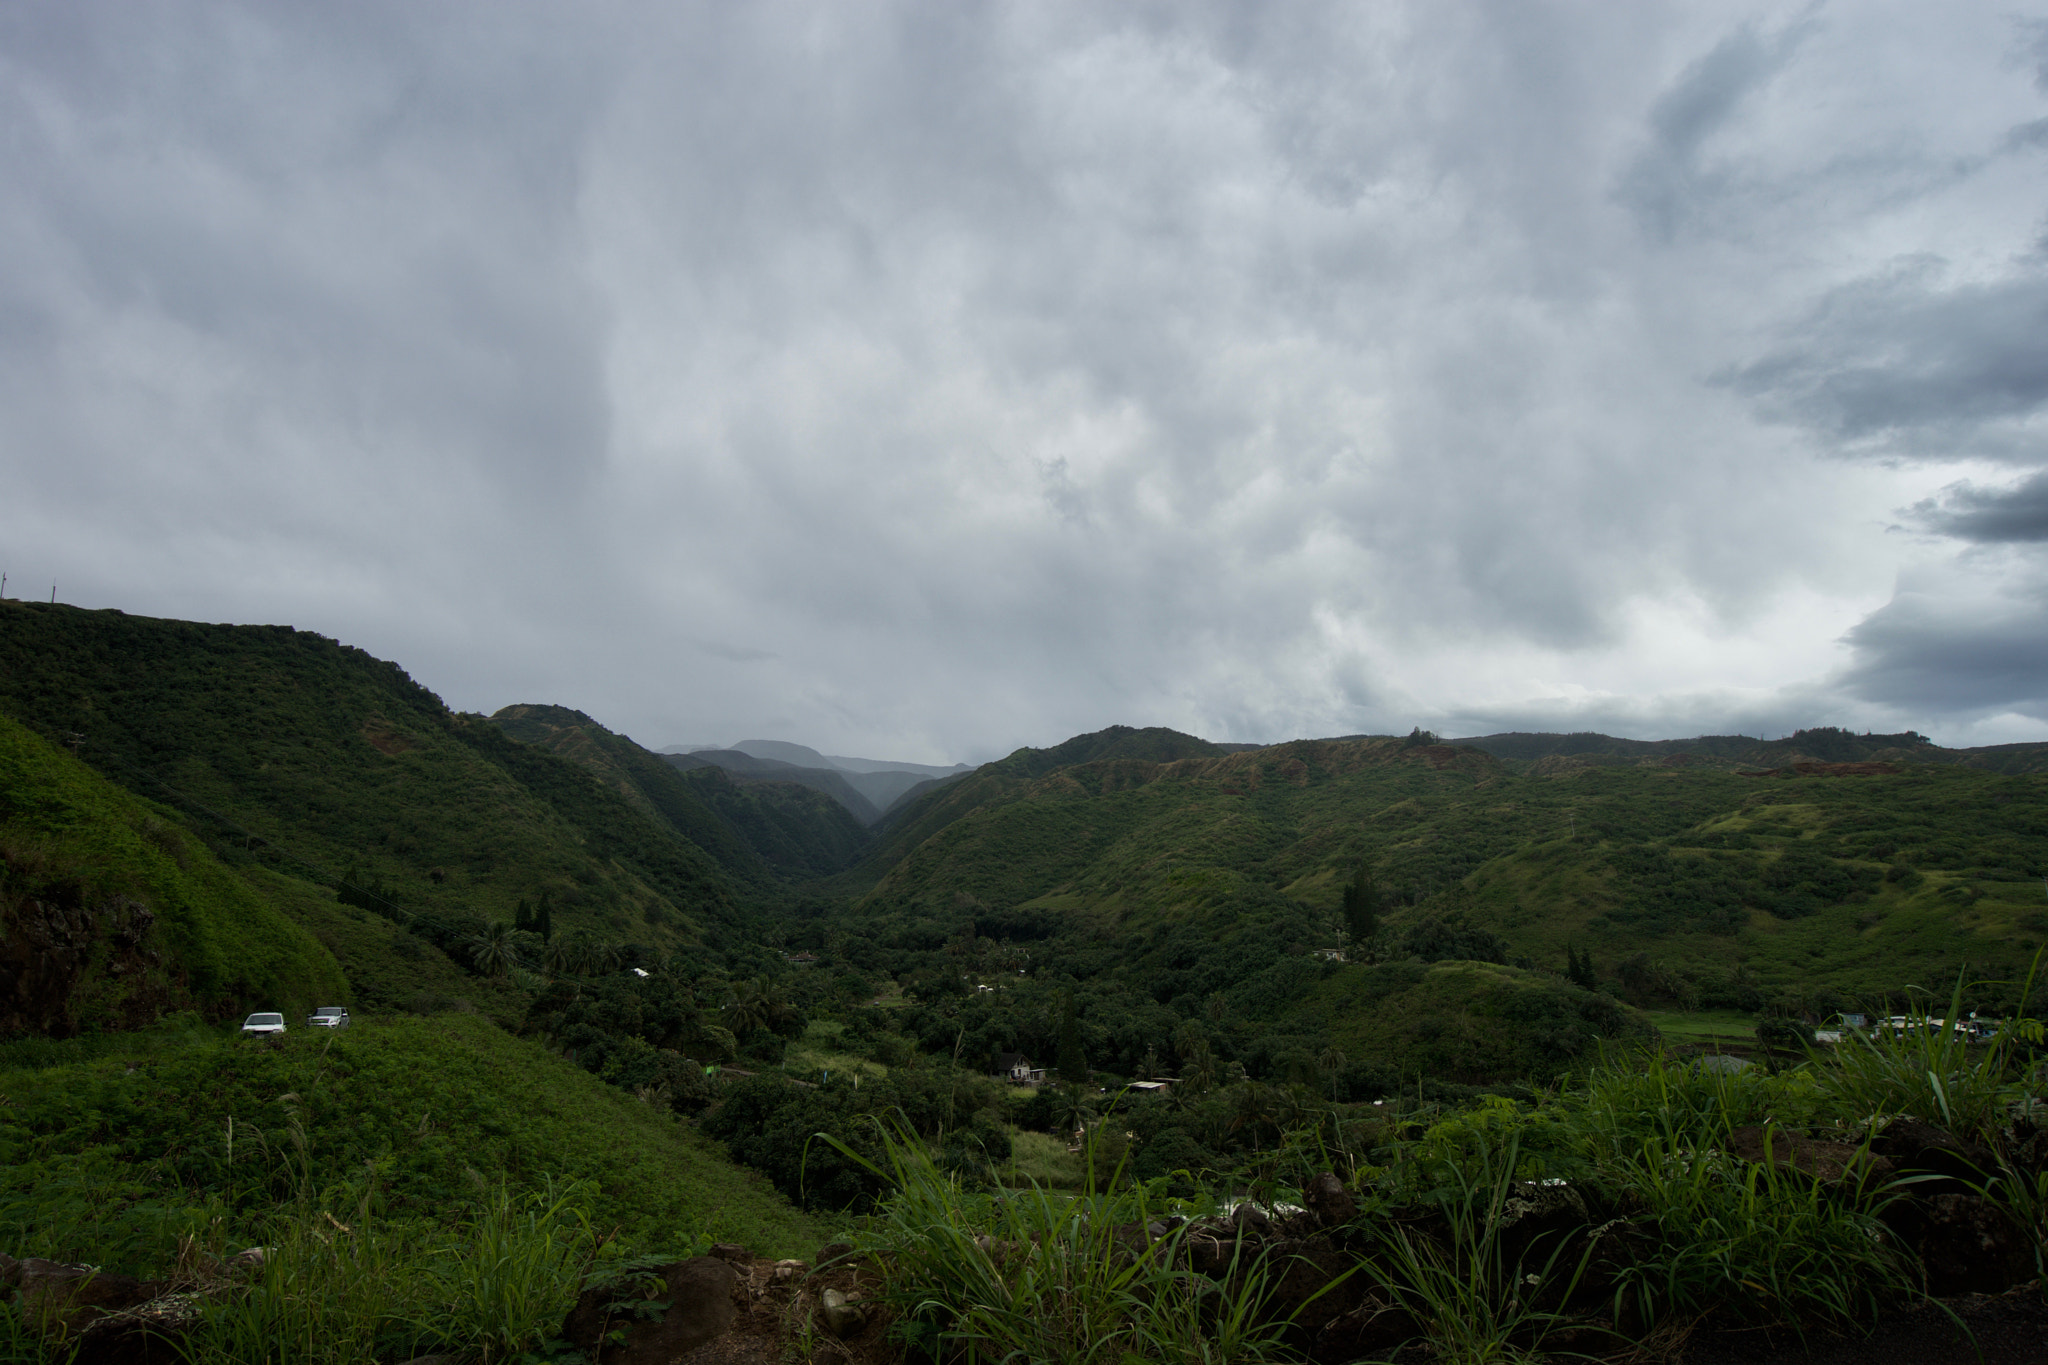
1232, 968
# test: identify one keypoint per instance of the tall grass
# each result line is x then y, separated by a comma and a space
1632, 1098
336, 1293
1037, 1275
1476, 1295
176, 1033
1761, 1241
1758, 1240
1931, 1073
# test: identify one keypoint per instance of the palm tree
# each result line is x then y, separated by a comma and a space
749, 1007
1256, 1106
564, 954
1072, 1112
495, 951
1198, 1073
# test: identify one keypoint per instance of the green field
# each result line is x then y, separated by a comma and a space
1703, 1027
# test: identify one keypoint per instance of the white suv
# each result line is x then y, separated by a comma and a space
328, 1016
262, 1025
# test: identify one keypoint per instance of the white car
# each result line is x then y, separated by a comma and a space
328, 1016
261, 1025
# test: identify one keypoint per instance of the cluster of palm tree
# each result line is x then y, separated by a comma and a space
756, 1004
501, 950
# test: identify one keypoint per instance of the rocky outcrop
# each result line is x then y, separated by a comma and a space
658, 1317
64, 955
729, 1308
1814, 1158
1917, 1147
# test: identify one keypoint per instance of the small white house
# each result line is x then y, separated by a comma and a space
1016, 1068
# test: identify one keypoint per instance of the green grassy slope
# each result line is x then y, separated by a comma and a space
115, 912
389, 967
419, 1116
311, 752
1863, 885
1465, 1022
1733, 887
918, 819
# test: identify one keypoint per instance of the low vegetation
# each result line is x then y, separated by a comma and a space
112, 1159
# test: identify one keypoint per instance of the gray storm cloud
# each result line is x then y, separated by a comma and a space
932, 379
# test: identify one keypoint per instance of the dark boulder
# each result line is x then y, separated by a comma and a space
59, 1300
1811, 1157
147, 1334
1329, 1201
1370, 1328
1917, 1147
698, 1294
1966, 1243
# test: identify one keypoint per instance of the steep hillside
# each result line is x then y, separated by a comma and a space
880, 782
751, 767
762, 831
645, 780
421, 1116
1208, 824
315, 759
799, 831
113, 913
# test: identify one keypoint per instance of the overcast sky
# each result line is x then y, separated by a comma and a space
924, 380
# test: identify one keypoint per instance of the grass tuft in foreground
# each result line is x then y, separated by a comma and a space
1039, 1275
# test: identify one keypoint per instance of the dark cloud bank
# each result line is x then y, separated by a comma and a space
930, 379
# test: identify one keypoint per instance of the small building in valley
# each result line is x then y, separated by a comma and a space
1016, 1068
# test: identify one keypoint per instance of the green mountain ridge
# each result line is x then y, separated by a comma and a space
1693, 882
1822, 744
318, 761
760, 830
1204, 878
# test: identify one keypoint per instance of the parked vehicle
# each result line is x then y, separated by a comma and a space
328, 1016
262, 1025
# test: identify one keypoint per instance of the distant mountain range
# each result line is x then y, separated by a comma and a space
868, 787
